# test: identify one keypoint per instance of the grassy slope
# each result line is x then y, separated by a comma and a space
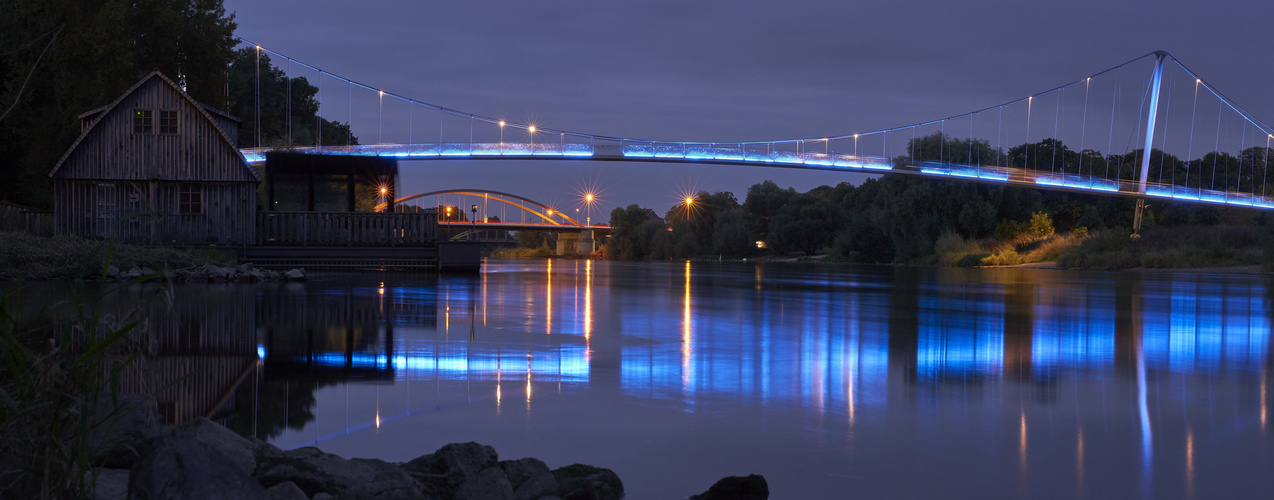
26, 256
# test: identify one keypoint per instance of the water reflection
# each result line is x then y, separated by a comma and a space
1055, 378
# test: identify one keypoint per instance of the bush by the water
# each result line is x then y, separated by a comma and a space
1171, 247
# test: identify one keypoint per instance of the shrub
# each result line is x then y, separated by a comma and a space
1008, 230
1040, 226
1006, 257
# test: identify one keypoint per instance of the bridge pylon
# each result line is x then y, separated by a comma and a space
1151, 115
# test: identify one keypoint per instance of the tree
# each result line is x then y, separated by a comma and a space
279, 96
763, 202
732, 235
82, 55
806, 223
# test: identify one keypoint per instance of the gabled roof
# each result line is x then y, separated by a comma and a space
105, 110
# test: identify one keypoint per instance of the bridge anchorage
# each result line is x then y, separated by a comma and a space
1149, 128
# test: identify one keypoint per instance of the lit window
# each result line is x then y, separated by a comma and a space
189, 198
167, 121
142, 121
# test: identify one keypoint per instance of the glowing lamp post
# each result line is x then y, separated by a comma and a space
474, 233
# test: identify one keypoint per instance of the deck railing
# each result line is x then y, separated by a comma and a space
347, 228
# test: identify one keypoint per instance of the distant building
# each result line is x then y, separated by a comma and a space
155, 167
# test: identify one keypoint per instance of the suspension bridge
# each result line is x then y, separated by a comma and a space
1146, 128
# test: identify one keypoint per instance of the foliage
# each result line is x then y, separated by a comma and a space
523, 253
95, 51
537, 239
1171, 247
68, 257
1040, 226
286, 104
1005, 257
59, 383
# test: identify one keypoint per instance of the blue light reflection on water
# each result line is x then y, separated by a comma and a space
833, 344
1188, 326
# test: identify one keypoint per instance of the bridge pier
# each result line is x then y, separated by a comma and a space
1136, 219
576, 242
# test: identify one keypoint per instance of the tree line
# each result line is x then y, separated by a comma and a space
899, 218
60, 58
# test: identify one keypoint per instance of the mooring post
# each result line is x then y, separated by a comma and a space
1152, 113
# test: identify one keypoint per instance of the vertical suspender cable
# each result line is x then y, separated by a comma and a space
1265, 163
1194, 111
970, 155
1163, 147
1114, 103
1216, 148
999, 146
258, 111
1029, 100
349, 126
318, 120
289, 79
1083, 129
1238, 178
1057, 119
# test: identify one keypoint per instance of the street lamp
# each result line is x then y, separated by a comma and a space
473, 234
501, 136
588, 208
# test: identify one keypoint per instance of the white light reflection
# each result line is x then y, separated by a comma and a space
1147, 458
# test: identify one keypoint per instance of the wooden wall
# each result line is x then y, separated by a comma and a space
148, 212
115, 184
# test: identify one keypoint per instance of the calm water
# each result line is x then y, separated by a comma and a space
833, 382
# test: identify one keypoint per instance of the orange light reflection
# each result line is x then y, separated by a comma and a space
685, 333
548, 299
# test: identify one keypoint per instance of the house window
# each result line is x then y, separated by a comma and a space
167, 121
189, 198
143, 121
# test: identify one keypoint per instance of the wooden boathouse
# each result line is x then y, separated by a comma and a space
157, 168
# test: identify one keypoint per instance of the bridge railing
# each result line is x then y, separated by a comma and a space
347, 228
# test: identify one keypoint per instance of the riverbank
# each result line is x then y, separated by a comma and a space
1213, 248
23, 256
138, 458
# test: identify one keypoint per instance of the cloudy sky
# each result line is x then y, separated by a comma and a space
709, 70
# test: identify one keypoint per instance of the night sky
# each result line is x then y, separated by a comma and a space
729, 71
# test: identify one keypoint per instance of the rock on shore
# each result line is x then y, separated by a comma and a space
202, 459
210, 273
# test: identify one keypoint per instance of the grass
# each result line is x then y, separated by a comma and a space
34, 257
55, 379
953, 250
522, 253
1172, 248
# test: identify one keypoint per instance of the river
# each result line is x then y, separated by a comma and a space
831, 381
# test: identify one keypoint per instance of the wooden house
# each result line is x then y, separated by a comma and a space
155, 167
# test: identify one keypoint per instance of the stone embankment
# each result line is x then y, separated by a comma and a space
200, 459
208, 273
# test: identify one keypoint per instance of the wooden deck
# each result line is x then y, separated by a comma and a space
356, 240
